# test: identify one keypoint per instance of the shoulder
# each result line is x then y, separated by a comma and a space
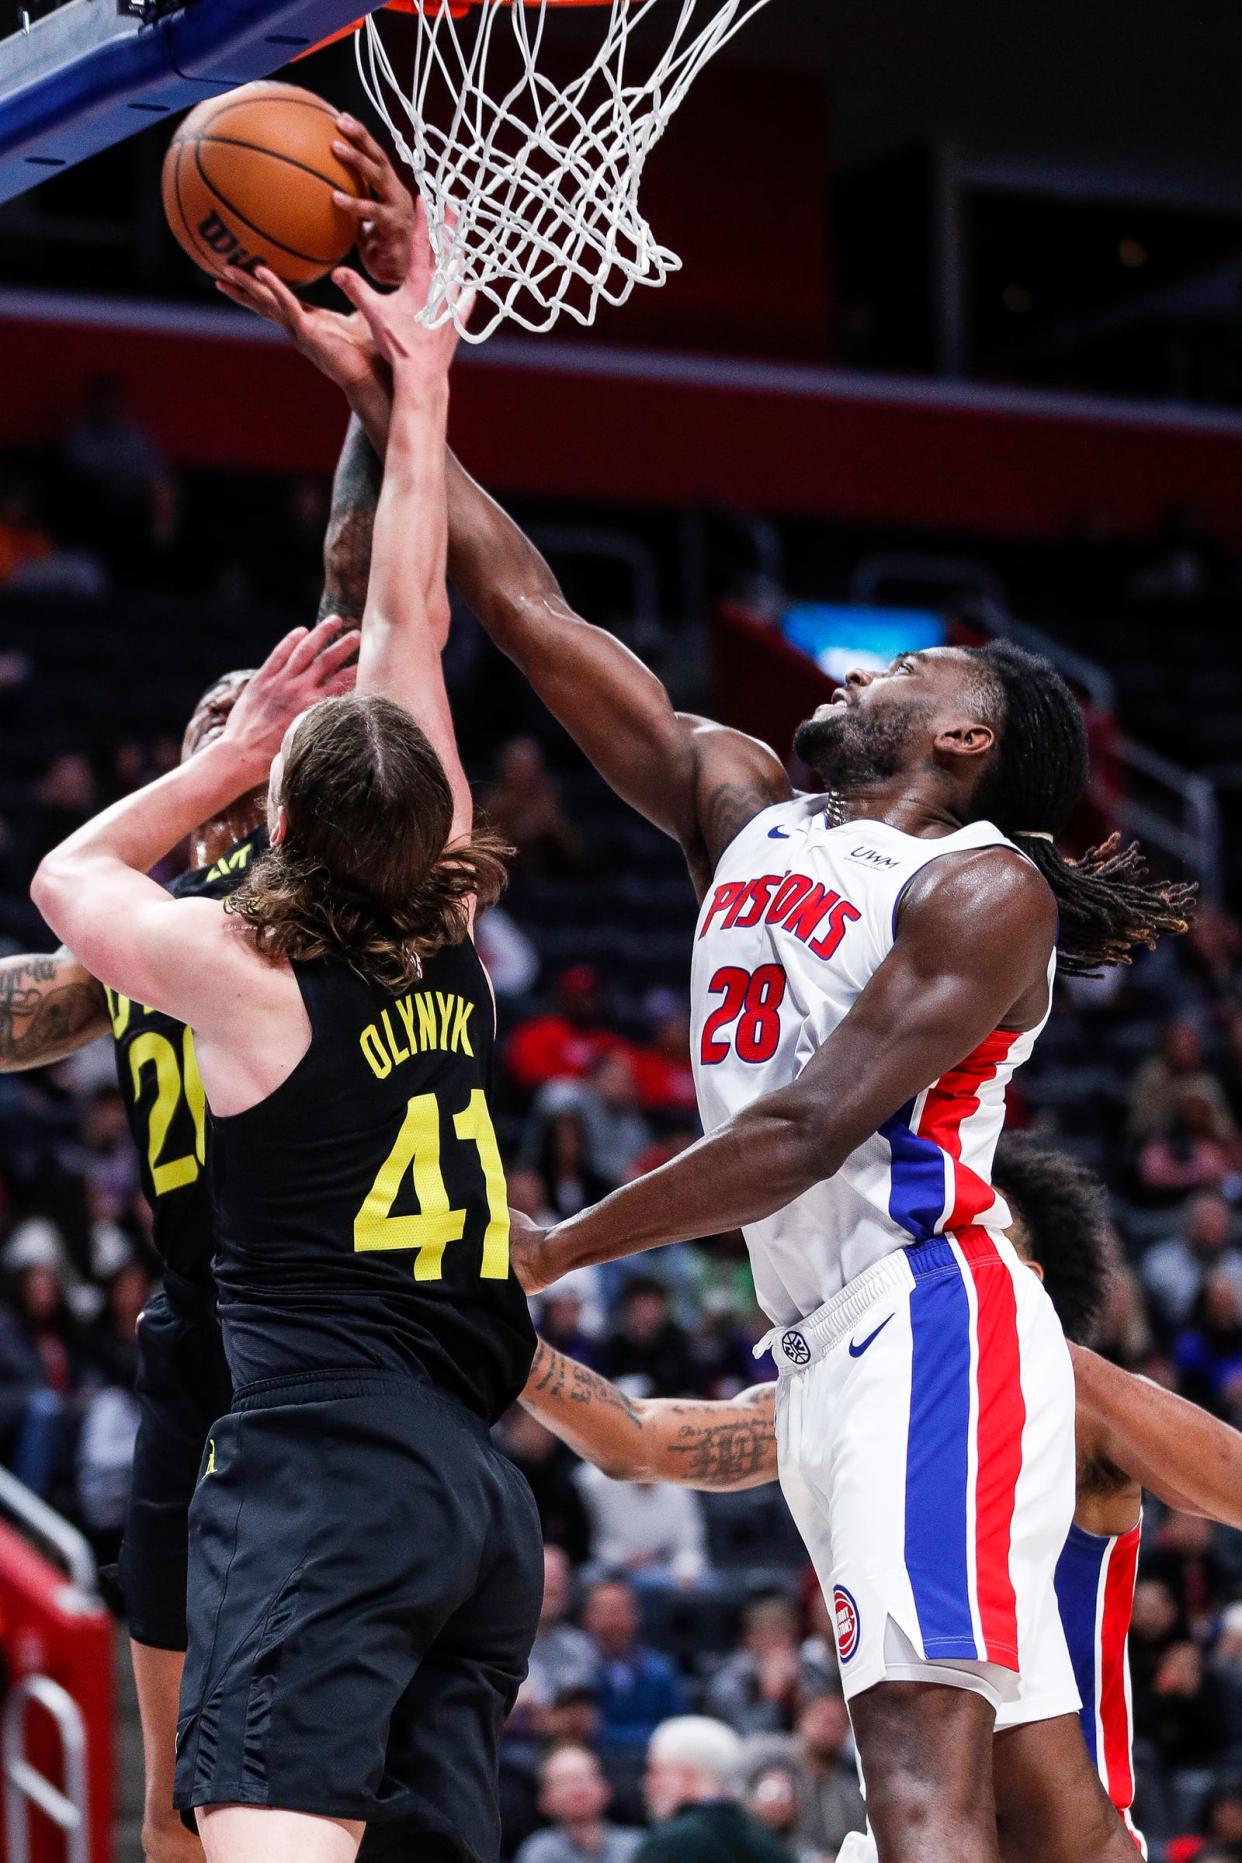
994, 889
543, 1847
735, 778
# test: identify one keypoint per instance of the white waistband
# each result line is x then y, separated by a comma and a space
795, 1347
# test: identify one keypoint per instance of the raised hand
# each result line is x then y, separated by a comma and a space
395, 318
383, 207
309, 664
339, 343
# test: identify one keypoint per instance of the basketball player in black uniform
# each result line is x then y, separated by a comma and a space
51, 1006
365, 1567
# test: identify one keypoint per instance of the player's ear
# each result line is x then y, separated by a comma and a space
963, 740
280, 827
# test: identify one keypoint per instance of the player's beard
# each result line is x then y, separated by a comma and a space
853, 746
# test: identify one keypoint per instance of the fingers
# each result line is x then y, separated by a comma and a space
317, 642
373, 175
359, 207
360, 147
292, 307
244, 289
338, 658
284, 650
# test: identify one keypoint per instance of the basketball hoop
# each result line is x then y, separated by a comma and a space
531, 185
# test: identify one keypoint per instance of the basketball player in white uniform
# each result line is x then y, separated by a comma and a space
871, 965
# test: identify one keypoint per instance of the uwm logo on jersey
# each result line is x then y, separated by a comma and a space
814, 914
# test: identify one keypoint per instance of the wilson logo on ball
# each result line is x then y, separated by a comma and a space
222, 240
849, 1625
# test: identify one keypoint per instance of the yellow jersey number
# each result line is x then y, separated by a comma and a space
428, 1233
176, 1079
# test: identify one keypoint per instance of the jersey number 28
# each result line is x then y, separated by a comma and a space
752, 1000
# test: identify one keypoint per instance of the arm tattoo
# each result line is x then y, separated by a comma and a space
48, 1009
564, 1380
740, 1448
727, 809
347, 545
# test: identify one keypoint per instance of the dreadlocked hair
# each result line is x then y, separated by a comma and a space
1106, 904
365, 873
1063, 1210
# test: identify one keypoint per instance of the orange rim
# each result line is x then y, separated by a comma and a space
457, 8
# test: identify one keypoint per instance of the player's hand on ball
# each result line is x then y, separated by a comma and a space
309, 664
339, 344
383, 208
527, 1255
395, 317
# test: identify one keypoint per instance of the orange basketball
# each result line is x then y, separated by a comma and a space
248, 181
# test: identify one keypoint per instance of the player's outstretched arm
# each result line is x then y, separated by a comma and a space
351, 524
973, 944
700, 782
1186, 1458
95, 892
50, 1006
406, 618
694, 1442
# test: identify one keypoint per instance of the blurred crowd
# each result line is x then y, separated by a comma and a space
684, 1671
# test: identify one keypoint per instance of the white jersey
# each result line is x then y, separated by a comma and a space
798, 919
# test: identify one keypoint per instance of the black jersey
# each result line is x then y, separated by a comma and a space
163, 1095
361, 1211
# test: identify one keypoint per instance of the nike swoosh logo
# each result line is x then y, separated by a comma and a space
778, 834
856, 1351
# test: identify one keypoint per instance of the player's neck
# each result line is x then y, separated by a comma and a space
214, 838
912, 802
586, 1834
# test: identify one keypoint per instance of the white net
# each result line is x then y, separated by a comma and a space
530, 182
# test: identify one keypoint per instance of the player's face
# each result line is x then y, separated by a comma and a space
878, 724
211, 714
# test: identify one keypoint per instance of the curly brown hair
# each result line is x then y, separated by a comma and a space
365, 873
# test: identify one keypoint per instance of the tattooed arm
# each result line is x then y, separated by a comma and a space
49, 1008
692, 1441
347, 544
698, 781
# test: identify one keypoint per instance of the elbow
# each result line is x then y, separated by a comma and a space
47, 889
810, 1149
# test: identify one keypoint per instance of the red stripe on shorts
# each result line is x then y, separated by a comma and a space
1114, 1708
1002, 1416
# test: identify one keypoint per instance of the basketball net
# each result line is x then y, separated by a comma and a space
531, 186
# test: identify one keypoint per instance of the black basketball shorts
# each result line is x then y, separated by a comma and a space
182, 1386
366, 1573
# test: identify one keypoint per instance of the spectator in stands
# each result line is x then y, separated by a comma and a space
524, 807
648, 1354
1192, 1149
64, 798
1174, 1271
549, 1468
42, 1366
821, 1760
108, 449
564, 1044
574, 1797
694, 1768
651, 1530
1178, 1067
773, 1801
571, 1181
1208, 1354
23, 539
562, 1658
1184, 1553
761, 1688
509, 955
638, 1687
561, 1318
662, 1064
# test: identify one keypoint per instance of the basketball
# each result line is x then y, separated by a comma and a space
248, 181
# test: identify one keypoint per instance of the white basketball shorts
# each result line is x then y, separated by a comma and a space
925, 1426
